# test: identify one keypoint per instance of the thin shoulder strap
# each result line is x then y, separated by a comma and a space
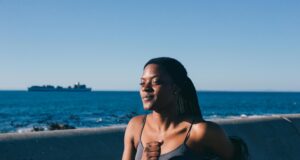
188, 134
143, 124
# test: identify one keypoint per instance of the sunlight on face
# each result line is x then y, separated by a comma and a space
156, 88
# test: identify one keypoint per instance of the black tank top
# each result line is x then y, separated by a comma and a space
182, 152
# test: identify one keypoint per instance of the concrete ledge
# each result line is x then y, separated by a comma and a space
271, 137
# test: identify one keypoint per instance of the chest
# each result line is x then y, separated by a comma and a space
171, 139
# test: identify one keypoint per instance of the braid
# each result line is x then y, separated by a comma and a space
187, 102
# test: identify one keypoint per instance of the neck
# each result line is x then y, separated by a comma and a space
164, 120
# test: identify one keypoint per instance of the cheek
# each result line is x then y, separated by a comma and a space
165, 94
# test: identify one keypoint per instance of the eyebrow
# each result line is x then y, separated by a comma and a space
150, 77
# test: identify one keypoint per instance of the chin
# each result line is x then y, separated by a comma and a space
148, 107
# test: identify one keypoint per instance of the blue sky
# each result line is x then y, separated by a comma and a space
225, 45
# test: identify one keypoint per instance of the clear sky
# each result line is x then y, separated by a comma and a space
225, 45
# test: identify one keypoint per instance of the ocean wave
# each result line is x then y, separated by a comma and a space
49, 127
215, 116
30, 129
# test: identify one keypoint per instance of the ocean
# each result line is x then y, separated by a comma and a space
21, 111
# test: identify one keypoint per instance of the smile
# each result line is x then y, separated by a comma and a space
148, 98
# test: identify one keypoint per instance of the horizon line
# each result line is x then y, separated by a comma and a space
205, 90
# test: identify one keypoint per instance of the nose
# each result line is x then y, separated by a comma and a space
147, 87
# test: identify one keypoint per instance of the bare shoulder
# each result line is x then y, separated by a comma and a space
208, 127
210, 136
136, 119
135, 123
131, 137
202, 129
134, 128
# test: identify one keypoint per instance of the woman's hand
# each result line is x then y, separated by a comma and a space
152, 150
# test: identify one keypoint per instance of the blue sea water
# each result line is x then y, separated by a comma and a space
21, 110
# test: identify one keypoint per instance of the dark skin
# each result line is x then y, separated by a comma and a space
164, 130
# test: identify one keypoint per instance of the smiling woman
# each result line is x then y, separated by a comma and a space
175, 129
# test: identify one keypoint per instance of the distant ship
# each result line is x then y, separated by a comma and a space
49, 88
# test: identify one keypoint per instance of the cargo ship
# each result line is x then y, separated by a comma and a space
49, 88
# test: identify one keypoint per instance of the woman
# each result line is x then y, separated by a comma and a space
175, 129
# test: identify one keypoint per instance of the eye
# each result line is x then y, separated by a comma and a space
142, 83
157, 82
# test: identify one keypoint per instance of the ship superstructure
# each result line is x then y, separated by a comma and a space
49, 88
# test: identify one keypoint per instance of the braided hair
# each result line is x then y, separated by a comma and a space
187, 102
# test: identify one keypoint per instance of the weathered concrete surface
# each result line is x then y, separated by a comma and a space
85, 144
268, 138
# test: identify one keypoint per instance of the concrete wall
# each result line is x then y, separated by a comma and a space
268, 138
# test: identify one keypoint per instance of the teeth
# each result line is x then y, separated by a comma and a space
148, 97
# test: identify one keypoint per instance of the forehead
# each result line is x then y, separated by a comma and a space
154, 70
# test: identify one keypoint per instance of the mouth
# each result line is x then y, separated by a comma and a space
148, 98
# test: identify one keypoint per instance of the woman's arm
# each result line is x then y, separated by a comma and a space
210, 137
131, 138
129, 149
218, 142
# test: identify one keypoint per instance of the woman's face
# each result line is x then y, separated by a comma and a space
157, 88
